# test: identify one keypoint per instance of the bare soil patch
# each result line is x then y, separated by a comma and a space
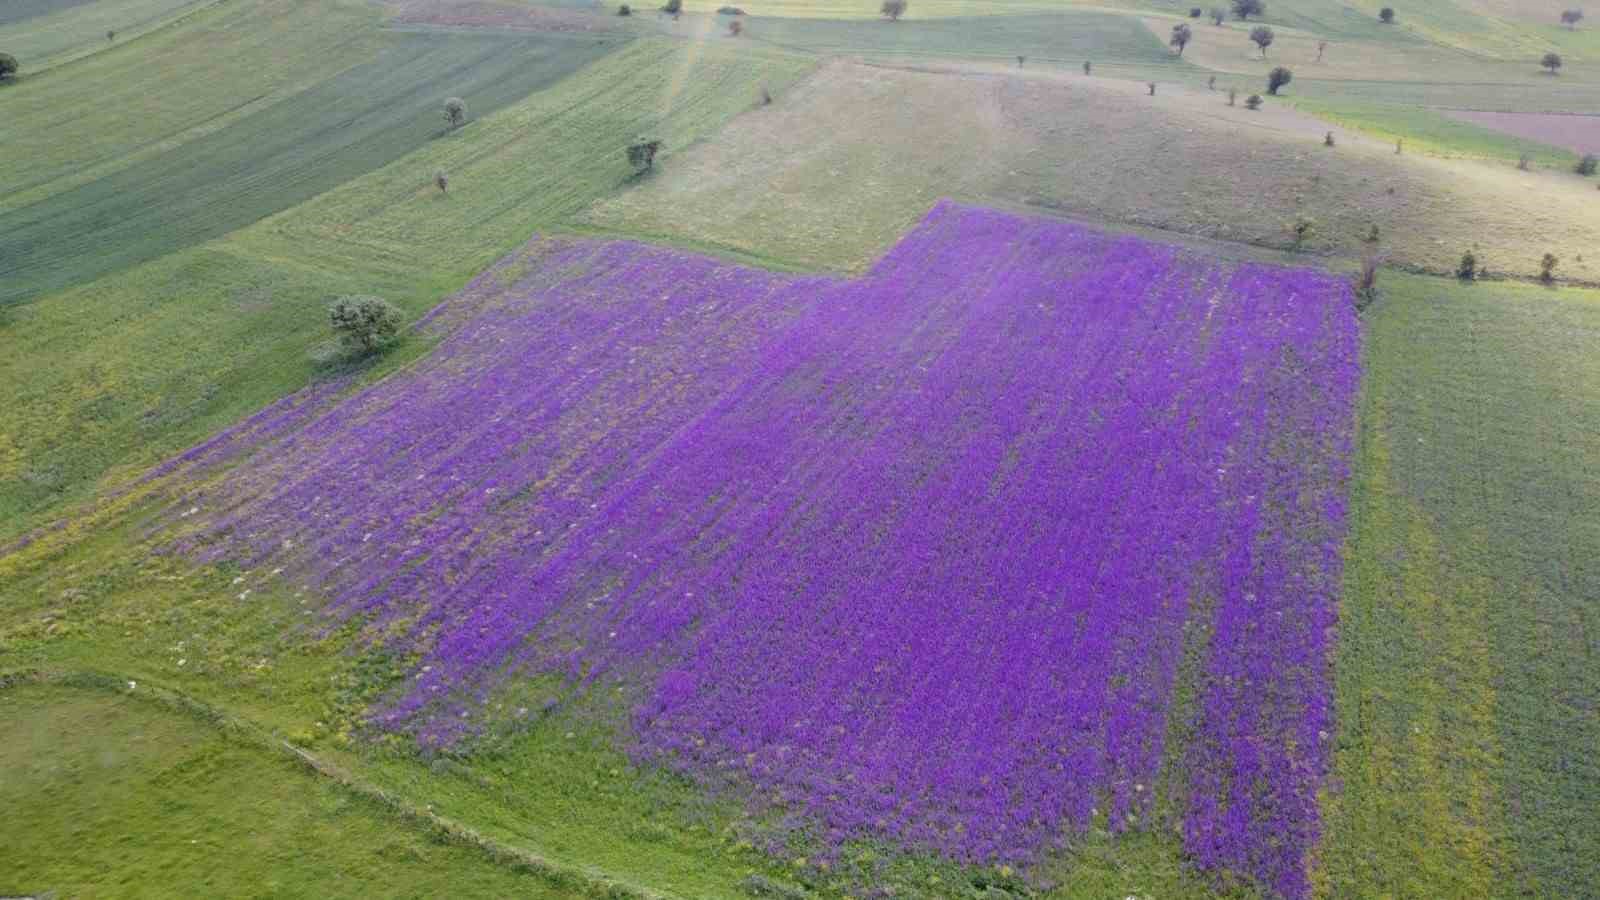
1575, 131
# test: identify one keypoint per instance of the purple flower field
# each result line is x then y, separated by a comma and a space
918, 554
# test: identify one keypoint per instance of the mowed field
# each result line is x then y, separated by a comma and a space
743, 562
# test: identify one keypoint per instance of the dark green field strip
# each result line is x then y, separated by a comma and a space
1068, 37
1470, 638
21, 10
361, 120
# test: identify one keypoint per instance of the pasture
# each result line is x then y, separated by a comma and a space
942, 474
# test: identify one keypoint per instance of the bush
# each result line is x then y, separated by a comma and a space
1232, 93
1277, 78
1367, 282
1252, 102
1217, 15
1467, 269
729, 11
441, 181
1244, 9
1181, 36
455, 112
735, 28
1262, 36
624, 10
1152, 86
642, 153
1087, 67
111, 35
1386, 15
1571, 18
1372, 234
893, 9
1301, 230
1523, 160
673, 7
1587, 164
1547, 268
1195, 12
8, 66
364, 323
1551, 61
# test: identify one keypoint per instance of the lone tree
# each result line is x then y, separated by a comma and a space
1367, 281
1571, 18
893, 9
1087, 67
1327, 139
642, 153
1218, 14
1277, 78
364, 323
673, 8
1321, 46
1152, 86
1587, 164
1262, 36
442, 181
8, 66
1547, 268
455, 112
1386, 15
1232, 93
1252, 102
1467, 269
111, 36
1244, 9
1551, 61
735, 28
1181, 36
1196, 12
624, 10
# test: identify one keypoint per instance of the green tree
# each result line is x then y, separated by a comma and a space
1386, 15
1181, 36
8, 66
455, 112
893, 9
1262, 36
1551, 61
364, 323
1277, 78
1244, 9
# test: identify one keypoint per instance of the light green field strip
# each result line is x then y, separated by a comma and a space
1426, 131
1469, 702
107, 110
118, 796
122, 371
57, 36
279, 155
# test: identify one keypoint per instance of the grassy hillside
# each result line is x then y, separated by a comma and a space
196, 809
124, 370
888, 142
1465, 763
45, 33
278, 155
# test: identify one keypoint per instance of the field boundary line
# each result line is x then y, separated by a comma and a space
230, 725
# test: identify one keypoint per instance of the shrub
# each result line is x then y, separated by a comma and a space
1211, 83
1232, 93
729, 11
1547, 268
1523, 160
455, 112
1327, 139
1372, 234
1022, 61
1181, 35
624, 10
1262, 36
893, 9
1195, 12
1277, 78
1587, 164
1367, 281
1152, 86
766, 96
364, 323
642, 153
673, 8
111, 36
1321, 46
735, 28
1301, 230
1551, 61
1217, 15
8, 66
1467, 269
1386, 15
442, 181
1571, 18
1087, 66
1244, 9
1252, 102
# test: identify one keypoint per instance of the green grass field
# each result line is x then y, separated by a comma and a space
1467, 632
350, 124
46, 33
